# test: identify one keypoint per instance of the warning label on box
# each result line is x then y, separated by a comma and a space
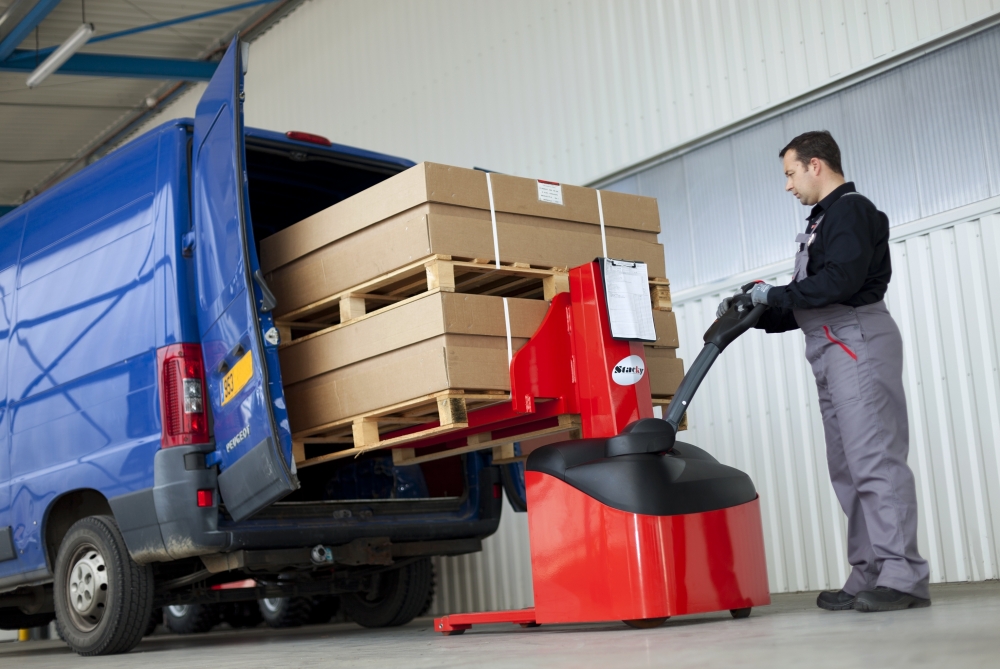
550, 191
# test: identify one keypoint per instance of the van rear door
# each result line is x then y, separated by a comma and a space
238, 338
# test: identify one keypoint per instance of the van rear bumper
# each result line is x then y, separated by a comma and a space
164, 523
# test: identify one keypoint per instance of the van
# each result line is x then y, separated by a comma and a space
145, 451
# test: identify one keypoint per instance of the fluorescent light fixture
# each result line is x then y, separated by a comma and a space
61, 55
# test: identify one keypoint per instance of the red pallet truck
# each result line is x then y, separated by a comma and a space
626, 523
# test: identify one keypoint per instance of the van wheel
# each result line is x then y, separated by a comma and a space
190, 618
103, 599
397, 598
155, 619
281, 612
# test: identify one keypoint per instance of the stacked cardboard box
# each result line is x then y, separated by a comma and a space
393, 295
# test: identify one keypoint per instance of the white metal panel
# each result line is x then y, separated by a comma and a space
566, 90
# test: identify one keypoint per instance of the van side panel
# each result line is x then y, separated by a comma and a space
11, 230
82, 371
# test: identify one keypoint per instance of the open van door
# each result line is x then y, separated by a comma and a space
238, 339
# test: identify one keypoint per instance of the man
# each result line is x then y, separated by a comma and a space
841, 274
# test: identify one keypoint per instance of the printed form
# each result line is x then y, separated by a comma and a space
626, 286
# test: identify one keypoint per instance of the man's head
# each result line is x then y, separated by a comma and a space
812, 166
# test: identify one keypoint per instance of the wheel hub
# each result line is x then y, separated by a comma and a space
87, 588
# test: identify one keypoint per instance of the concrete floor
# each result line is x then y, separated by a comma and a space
961, 629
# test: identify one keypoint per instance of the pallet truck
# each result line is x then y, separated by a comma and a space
626, 523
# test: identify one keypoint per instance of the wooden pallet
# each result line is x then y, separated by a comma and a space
442, 413
659, 294
436, 272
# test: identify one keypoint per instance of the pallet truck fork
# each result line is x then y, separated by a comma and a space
626, 523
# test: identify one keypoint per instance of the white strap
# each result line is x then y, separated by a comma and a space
600, 212
506, 319
496, 242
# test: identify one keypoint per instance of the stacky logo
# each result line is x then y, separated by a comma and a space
628, 371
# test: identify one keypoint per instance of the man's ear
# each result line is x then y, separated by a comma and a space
816, 165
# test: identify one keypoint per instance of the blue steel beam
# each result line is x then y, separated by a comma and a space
24, 28
43, 53
133, 67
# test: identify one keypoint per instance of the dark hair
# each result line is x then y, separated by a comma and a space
816, 144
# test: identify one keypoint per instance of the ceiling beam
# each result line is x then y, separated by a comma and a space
132, 67
25, 26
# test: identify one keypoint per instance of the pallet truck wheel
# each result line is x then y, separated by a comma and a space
530, 624
646, 623
453, 632
741, 613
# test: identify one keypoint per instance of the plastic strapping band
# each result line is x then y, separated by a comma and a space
493, 219
600, 213
506, 319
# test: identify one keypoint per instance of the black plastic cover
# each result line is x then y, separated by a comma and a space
682, 480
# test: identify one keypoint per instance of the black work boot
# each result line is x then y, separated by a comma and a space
835, 600
888, 599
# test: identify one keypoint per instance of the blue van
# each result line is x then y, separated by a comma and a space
145, 453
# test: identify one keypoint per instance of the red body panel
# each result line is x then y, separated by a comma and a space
590, 562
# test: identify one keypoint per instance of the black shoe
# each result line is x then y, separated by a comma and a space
888, 599
835, 600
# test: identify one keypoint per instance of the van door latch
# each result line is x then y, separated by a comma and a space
268, 301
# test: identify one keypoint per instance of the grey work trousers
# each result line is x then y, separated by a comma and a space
856, 354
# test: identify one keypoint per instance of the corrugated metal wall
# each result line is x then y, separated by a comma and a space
565, 89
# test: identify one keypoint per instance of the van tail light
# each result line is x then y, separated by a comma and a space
182, 395
300, 136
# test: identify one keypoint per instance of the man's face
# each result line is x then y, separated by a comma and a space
801, 180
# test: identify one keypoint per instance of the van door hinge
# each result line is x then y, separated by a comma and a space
187, 244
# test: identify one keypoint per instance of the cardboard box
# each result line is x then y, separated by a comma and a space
393, 243
459, 187
665, 323
433, 365
665, 371
417, 319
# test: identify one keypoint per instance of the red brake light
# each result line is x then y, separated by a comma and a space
206, 498
300, 136
182, 395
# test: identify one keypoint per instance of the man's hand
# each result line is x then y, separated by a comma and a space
759, 293
726, 303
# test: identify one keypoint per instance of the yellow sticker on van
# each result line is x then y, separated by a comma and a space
237, 377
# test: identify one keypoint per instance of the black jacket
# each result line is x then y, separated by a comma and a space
848, 261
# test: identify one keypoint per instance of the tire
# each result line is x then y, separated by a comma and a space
739, 614
241, 615
190, 618
155, 619
103, 599
400, 595
324, 608
430, 593
15, 619
281, 612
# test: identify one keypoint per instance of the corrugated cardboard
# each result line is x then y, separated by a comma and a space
393, 243
665, 323
431, 182
400, 325
665, 371
433, 365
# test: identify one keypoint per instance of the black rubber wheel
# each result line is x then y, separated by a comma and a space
14, 619
741, 613
279, 612
103, 599
241, 615
155, 619
324, 608
646, 623
430, 593
398, 596
190, 618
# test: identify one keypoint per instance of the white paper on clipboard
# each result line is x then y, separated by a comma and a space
626, 287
